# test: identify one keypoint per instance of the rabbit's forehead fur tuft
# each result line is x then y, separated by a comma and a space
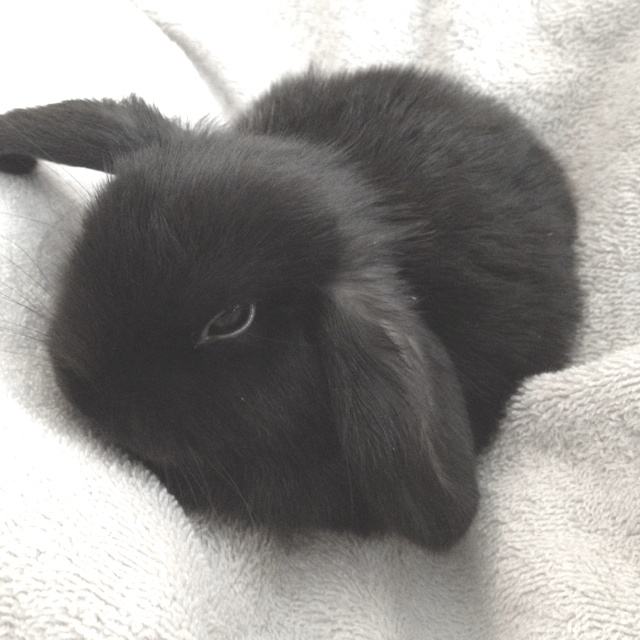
250, 219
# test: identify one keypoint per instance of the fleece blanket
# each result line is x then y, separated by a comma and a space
92, 546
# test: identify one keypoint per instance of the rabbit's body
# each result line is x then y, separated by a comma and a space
309, 318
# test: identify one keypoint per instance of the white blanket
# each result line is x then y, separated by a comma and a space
92, 546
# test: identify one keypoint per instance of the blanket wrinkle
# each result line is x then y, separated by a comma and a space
92, 547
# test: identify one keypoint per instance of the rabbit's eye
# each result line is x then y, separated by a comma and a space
229, 323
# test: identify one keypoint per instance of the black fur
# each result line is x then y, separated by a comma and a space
408, 244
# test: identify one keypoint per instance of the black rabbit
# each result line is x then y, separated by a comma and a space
312, 316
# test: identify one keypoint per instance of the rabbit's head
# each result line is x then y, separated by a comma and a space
231, 314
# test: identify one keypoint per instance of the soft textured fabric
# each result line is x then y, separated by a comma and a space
92, 546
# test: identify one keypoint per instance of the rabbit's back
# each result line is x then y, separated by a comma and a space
484, 213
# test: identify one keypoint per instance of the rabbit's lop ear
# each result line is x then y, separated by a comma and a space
402, 423
82, 133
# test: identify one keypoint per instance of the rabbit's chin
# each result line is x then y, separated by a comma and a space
279, 501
